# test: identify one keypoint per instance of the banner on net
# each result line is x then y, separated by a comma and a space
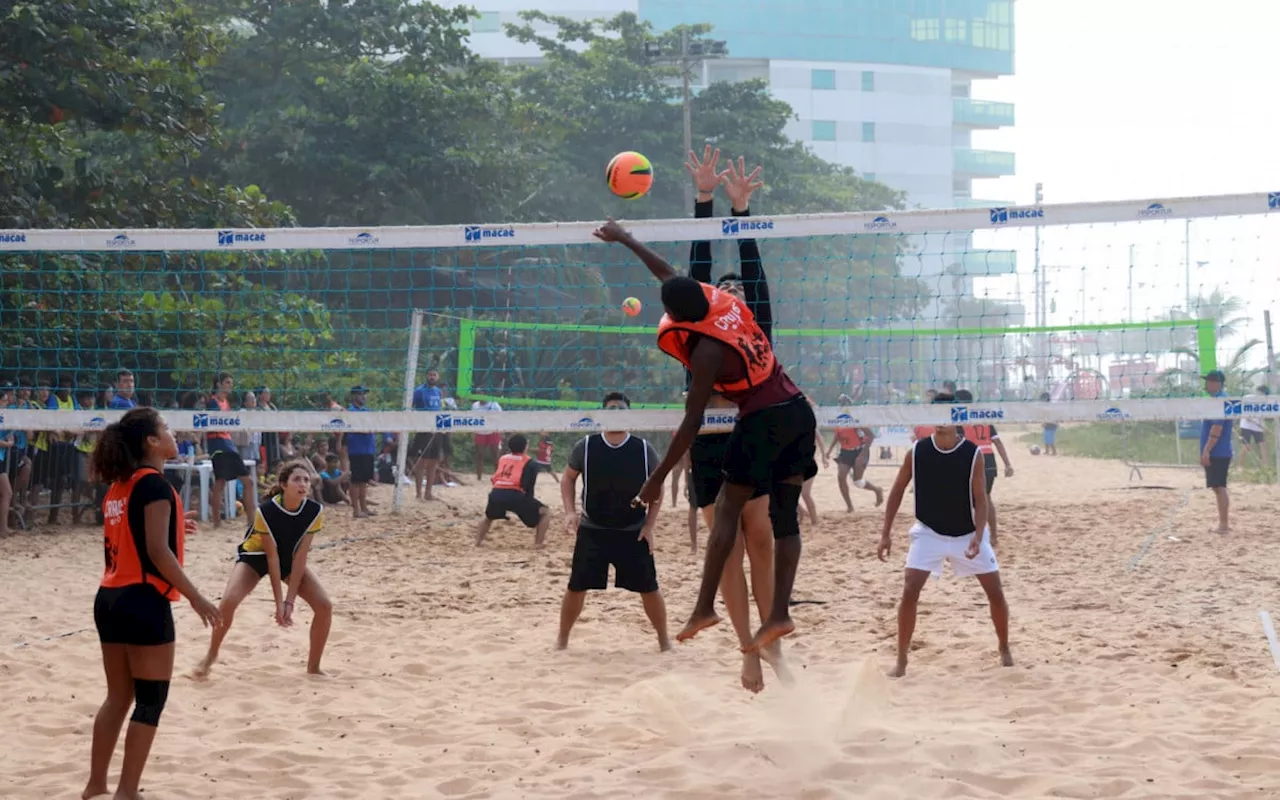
896, 418
662, 230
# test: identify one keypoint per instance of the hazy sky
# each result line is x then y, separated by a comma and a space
1130, 99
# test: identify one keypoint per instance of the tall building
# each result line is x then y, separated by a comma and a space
883, 86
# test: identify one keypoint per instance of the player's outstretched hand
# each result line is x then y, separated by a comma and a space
703, 171
610, 232
886, 546
739, 185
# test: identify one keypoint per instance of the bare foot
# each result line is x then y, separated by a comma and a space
1006, 657
1223, 531
119, 795
94, 790
879, 497
752, 674
769, 633
898, 670
772, 655
562, 643
201, 671
317, 672
848, 510
664, 644
695, 625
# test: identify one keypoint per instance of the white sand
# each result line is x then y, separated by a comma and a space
1153, 682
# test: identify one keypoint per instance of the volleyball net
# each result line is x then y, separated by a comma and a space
1110, 310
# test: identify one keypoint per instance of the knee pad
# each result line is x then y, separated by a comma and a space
149, 698
784, 499
860, 483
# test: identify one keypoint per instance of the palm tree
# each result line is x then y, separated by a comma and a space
1228, 311
1240, 378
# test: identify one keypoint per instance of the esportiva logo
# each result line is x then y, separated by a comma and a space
1003, 214
233, 238
586, 423
95, 423
844, 420
880, 224
1239, 408
1273, 201
1113, 414
363, 239
966, 414
214, 421
120, 240
13, 238
477, 233
335, 424
1156, 210
733, 226
447, 422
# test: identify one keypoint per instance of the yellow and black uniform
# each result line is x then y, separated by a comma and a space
132, 606
287, 528
513, 481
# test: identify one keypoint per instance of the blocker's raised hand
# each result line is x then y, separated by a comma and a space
739, 185
705, 177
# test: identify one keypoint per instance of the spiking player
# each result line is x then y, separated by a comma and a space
772, 445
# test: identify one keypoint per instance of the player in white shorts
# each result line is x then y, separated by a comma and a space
951, 492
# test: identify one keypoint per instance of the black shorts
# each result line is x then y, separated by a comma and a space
542, 466
505, 501
330, 493
427, 445
258, 563
137, 615
849, 457
227, 463
1215, 475
596, 549
361, 467
706, 469
771, 445
1252, 437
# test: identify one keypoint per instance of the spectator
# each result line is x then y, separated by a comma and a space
122, 396
361, 448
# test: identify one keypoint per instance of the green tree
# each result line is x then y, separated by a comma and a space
366, 113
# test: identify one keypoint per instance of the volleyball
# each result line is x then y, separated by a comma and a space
1035, 449
629, 175
631, 306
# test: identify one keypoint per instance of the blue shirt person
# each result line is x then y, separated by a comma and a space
1215, 451
429, 396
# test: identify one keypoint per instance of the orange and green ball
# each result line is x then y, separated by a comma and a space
629, 175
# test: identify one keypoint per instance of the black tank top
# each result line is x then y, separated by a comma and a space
611, 478
944, 500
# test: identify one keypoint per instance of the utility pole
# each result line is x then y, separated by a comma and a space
691, 54
1187, 257
1131, 283
685, 67
1041, 313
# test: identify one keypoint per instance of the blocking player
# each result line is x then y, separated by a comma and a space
771, 447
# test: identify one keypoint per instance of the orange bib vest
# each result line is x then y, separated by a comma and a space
850, 438
510, 471
126, 565
981, 436
728, 321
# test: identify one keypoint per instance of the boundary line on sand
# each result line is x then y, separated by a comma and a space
1270, 631
1159, 529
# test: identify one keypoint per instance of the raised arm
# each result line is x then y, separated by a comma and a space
705, 180
740, 185
613, 232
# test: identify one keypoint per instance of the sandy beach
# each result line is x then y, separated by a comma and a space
1142, 669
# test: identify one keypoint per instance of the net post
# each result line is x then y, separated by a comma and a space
410, 380
1207, 344
466, 356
